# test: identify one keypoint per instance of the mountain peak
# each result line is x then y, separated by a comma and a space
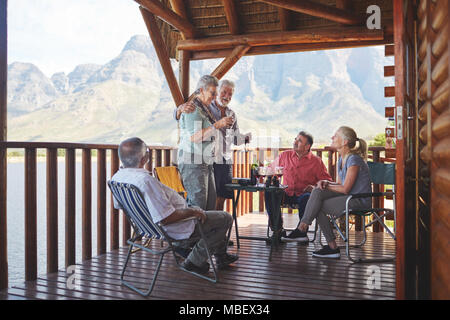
140, 43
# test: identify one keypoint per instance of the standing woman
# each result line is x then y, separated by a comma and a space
196, 148
330, 197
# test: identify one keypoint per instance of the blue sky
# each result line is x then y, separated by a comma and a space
57, 35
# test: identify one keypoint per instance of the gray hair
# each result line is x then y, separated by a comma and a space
227, 83
131, 151
205, 82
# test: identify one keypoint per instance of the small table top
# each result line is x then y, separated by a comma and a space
254, 188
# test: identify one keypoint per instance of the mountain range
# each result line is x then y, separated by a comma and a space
275, 95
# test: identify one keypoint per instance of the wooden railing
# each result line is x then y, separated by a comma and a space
160, 156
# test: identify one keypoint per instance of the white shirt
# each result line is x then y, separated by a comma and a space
161, 200
225, 137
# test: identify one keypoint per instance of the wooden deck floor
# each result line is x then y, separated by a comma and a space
292, 274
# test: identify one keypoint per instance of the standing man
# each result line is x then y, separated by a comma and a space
302, 170
225, 137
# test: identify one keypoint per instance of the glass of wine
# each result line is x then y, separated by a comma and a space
279, 172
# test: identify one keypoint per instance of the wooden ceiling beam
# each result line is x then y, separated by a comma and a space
180, 9
318, 10
230, 61
303, 47
328, 35
285, 19
163, 55
231, 15
164, 13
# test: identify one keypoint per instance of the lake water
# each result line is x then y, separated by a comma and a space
16, 213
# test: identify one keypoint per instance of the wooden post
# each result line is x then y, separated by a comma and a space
3, 151
101, 201
230, 61
376, 188
70, 208
231, 14
86, 209
400, 174
178, 22
114, 213
163, 55
30, 215
183, 75
52, 210
327, 36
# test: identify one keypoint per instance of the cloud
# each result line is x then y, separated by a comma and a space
58, 35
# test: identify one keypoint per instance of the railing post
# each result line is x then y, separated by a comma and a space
70, 208
86, 209
30, 215
114, 213
166, 157
52, 210
101, 201
3, 220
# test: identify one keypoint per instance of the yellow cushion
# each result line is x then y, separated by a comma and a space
170, 177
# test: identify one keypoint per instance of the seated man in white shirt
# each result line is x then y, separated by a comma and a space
167, 207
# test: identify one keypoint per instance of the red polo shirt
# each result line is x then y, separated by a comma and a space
300, 173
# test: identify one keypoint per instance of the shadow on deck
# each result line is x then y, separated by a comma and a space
292, 274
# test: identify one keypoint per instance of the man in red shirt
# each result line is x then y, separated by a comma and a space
302, 170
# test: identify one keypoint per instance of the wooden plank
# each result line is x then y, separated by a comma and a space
231, 14
390, 132
52, 210
230, 61
86, 205
183, 77
399, 34
101, 202
389, 92
3, 70
292, 274
318, 10
3, 137
285, 19
389, 112
389, 50
3, 220
389, 71
30, 215
114, 213
70, 212
163, 55
157, 8
328, 35
286, 48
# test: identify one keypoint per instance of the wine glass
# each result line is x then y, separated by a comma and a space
279, 172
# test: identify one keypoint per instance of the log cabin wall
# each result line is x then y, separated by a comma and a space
434, 146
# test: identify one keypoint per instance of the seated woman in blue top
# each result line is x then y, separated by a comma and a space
330, 197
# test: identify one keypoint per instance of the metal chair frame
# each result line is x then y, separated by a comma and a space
157, 233
368, 212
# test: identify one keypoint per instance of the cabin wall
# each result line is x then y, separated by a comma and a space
434, 144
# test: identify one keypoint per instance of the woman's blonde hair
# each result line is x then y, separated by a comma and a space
357, 145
